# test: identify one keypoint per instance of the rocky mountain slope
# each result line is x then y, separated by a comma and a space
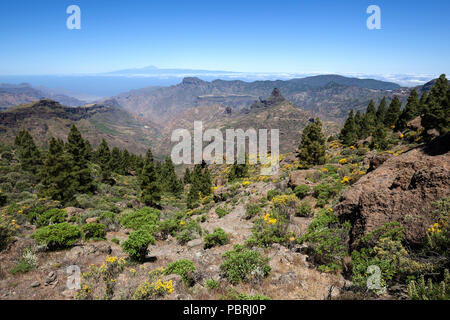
47, 118
328, 96
402, 188
13, 95
273, 112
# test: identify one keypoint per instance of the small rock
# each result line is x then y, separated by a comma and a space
194, 243
92, 220
51, 277
35, 284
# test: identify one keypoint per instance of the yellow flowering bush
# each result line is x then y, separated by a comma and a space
345, 180
151, 290
107, 272
284, 200
246, 183
8, 228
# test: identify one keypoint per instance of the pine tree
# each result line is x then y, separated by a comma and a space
312, 147
89, 150
349, 132
126, 161
381, 111
148, 182
172, 183
79, 166
409, 112
423, 103
437, 110
379, 140
27, 152
358, 123
55, 173
369, 120
116, 161
193, 197
238, 171
392, 113
187, 176
103, 158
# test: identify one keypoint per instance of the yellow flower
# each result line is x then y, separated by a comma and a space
345, 180
182, 223
343, 161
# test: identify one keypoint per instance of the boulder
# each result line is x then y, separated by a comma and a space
72, 211
92, 220
298, 177
377, 160
415, 124
401, 189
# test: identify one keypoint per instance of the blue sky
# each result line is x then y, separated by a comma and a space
247, 36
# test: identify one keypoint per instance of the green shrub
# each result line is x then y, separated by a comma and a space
325, 191
110, 220
51, 216
221, 212
304, 210
211, 284
217, 238
242, 264
301, 191
232, 294
273, 193
182, 268
57, 236
27, 262
272, 228
188, 231
422, 290
327, 240
137, 244
383, 248
168, 226
139, 218
95, 231
252, 210
115, 240
8, 229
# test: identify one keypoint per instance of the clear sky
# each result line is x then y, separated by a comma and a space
323, 36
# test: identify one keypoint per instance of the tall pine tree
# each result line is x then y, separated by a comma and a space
437, 110
409, 112
55, 173
103, 158
148, 182
381, 111
312, 147
393, 112
171, 182
79, 166
27, 152
369, 120
349, 132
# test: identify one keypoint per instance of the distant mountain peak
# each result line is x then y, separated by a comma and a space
275, 99
192, 81
276, 92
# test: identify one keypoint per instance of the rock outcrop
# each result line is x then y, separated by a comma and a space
401, 189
